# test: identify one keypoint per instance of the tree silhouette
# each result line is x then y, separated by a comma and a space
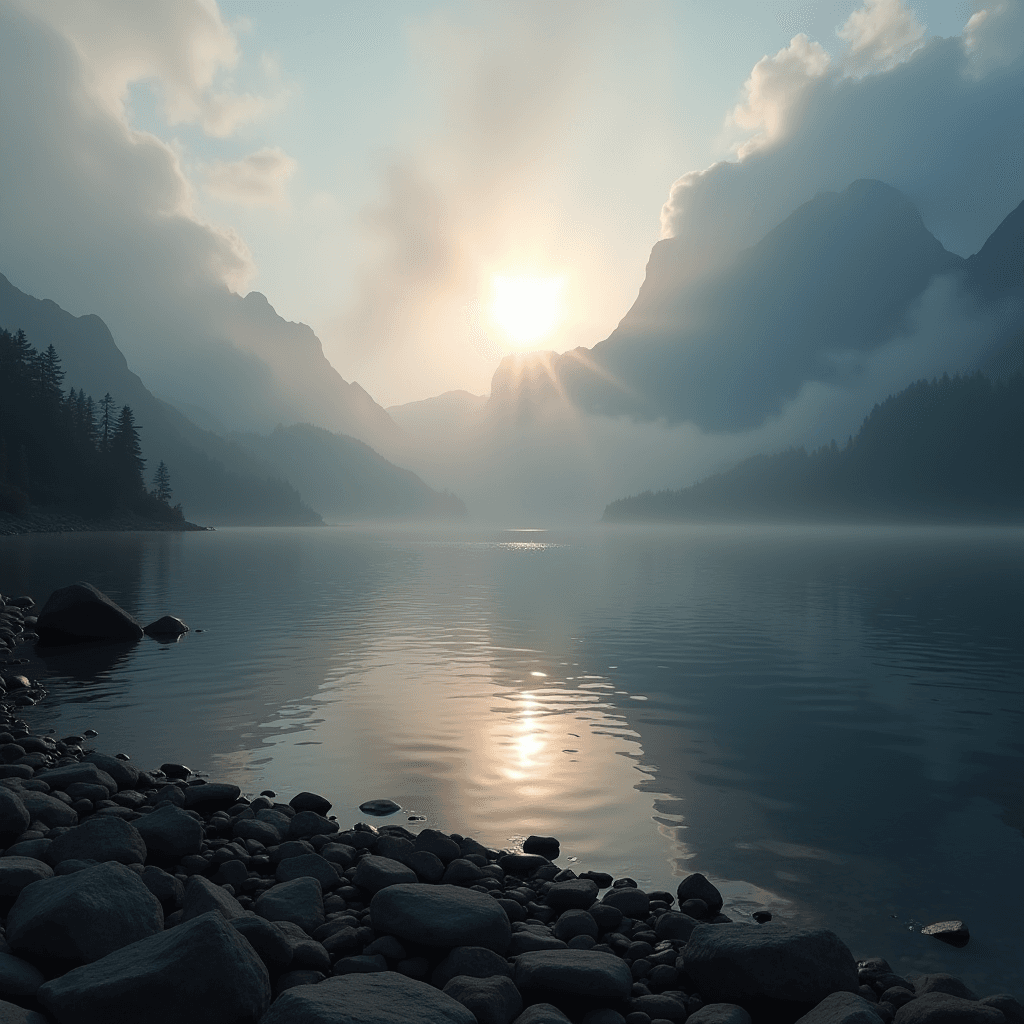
162, 483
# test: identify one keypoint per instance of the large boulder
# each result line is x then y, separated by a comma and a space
943, 1008
385, 997
202, 897
53, 813
170, 833
81, 613
202, 972
441, 915
572, 894
493, 1000
69, 774
124, 774
11, 1013
99, 839
85, 915
574, 972
16, 873
308, 865
14, 816
374, 873
299, 900
697, 887
841, 1008
739, 962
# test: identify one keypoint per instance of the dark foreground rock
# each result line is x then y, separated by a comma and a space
81, 613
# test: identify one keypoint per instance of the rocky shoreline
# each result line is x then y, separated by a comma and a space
158, 896
58, 521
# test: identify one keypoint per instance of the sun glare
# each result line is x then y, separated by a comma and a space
526, 308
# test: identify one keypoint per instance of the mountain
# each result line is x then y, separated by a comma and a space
728, 347
345, 479
948, 449
451, 411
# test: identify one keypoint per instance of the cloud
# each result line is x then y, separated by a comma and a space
185, 49
941, 124
259, 179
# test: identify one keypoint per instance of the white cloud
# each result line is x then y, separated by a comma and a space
259, 179
881, 33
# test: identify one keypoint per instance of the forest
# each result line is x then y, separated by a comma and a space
66, 450
945, 450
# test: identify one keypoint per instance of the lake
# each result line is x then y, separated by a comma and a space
825, 721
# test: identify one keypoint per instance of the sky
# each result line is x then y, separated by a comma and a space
377, 171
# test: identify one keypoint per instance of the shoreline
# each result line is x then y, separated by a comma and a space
58, 521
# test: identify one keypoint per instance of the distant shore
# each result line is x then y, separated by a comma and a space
60, 521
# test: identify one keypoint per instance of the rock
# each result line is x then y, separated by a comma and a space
361, 964
84, 916
15, 874
724, 1013
99, 839
841, 1008
166, 625
471, 961
375, 873
299, 901
170, 833
494, 1000
14, 816
661, 1007
941, 982
386, 997
252, 828
436, 843
522, 864
379, 808
18, 978
673, 925
52, 812
955, 933
573, 894
307, 953
546, 846
202, 972
202, 897
82, 772
214, 796
528, 941
440, 915
173, 770
607, 918
603, 1016
81, 613
270, 943
542, 1013
573, 923
942, 1008
11, 1013
461, 872
309, 865
697, 887
428, 867
1012, 1010
310, 802
388, 946
750, 961
308, 823
165, 887
574, 972
632, 902
125, 776
762, 916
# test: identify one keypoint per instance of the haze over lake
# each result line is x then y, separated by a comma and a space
827, 722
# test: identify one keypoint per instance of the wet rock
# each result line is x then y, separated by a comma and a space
170, 832
308, 823
125, 775
310, 802
299, 901
673, 925
632, 902
202, 897
1012, 1010
572, 894
696, 909
723, 1013
80, 613
841, 1008
202, 972
494, 1000
607, 918
440, 915
750, 961
697, 887
14, 816
529, 941
522, 864
99, 839
309, 865
574, 972
573, 923
84, 916
18, 978
955, 933
379, 808
173, 770
166, 626
164, 886
437, 843
762, 916
52, 812
253, 828
940, 982
87, 772
895, 996
660, 1007
375, 873
361, 964
15, 874
428, 867
471, 961
266, 938
546, 846
381, 998
307, 953
942, 1008
214, 796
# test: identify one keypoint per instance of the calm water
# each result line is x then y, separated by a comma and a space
825, 722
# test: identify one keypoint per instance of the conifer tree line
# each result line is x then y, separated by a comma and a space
67, 450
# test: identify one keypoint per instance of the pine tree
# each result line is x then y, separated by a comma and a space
127, 451
106, 421
162, 483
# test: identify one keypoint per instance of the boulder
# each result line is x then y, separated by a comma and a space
81, 613
125, 775
574, 972
841, 1008
444, 848
1011, 1008
202, 897
15, 874
169, 832
308, 865
573, 894
546, 846
85, 915
82, 772
673, 925
14, 816
942, 1008
471, 961
384, 997
522, 864
310, 802
307, 953
494, 1000
165, 626
542, 1013
53, 813
573, 923
440, 915
632, 902
660, 1007
11, 1013
953, 933
299, 901
308, 823
374, 873
202, 972
214, 796
379, 808
18, 978
697, 887
941, 982
773, 961
164, 886
99, 839
270, 943
724, 1013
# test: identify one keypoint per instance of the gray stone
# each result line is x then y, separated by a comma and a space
606, 1015
52, 812
82, 613
841, 1008
214, 796
428, 866
1012, 1010
310, 802
522, 864
574, 972
253, 828
379, 808
338, 853
659, 1007
84, 916
34, 848
573, 894
308, 823
461, 872
542, 1013
942, 1008
18, 977
430, 840
202, 897
440, 915
374, 873
748, 961
270, 943
70, 774
528, 941
724, 1013
123, 773
494, 1000
546, 846
307, 953
14, 816
386, 997
299, 901
310, 865
11, 1013
471, 961
673, 925
202, 972
99, 839
359, 964
163, 885
632, 902
170, 833
942, 982
166, 625
697, 887
573, 923
16, 873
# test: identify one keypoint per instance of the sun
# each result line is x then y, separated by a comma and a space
526, 308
